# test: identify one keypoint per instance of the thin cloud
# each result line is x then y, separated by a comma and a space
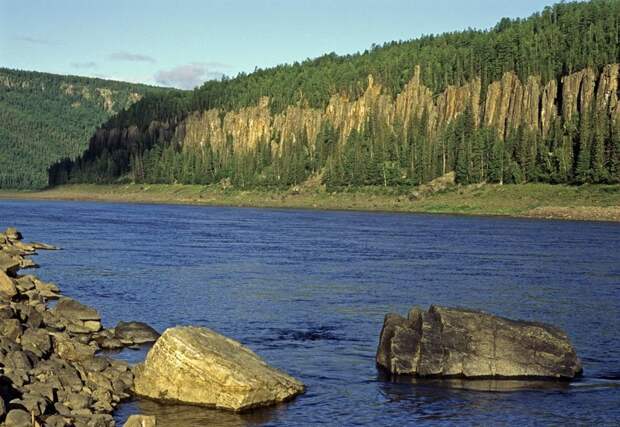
189, 76
33, 40
131, 57
84, 65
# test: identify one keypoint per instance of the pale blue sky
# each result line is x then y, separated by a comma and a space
185, 42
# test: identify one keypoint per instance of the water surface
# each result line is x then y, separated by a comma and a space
307, 290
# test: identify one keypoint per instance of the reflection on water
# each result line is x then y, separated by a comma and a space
482, 384
195, 416
308, 291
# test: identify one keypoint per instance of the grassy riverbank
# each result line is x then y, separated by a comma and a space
589, 202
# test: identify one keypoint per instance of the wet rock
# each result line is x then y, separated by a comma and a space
44, 246
199, 366
71, 309
466, 343
141, 421
135, 333
12, 234
18, 418
8, 264
7, 287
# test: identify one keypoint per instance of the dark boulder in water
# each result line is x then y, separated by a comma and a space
454, 342
135, 333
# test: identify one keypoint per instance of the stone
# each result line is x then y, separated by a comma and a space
7, 287
44, 246
73, 310
11, 328
12, 234
6, 312
199, 366
135, 332
8, 264
69, 349
18, 418
76, 401
47, 290
92, 325
454, 342
141, 421
38, 341
57, 421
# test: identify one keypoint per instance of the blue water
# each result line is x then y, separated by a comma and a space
307, 290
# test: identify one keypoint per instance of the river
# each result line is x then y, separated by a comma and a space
307, 291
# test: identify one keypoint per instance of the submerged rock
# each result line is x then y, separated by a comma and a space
199, 366
452, 342
135, 333
141, 421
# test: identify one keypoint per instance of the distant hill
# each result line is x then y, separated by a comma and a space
46, 117
529, 100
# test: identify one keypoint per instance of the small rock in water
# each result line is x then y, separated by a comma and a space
141, 421
452, 342
135, 333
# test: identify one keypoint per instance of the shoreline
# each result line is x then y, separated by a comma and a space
541, 201
54, 363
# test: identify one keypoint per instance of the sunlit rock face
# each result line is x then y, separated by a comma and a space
451, 342
506, 105
199, 366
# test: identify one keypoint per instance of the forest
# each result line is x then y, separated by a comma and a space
46, 117
151, 142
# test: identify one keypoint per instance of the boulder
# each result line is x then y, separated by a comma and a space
454, 342
18, 418
199, 366
71, 350
12, 234
70, 309
135, 333
140, 421
8, 264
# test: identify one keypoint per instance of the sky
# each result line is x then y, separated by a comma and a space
182, 43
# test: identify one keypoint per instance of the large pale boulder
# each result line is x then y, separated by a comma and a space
199, 366
452, 342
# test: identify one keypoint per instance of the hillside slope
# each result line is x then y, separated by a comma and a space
46, 117
531, 100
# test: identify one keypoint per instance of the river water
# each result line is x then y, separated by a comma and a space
307, 290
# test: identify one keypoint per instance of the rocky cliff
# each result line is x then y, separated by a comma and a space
505, 105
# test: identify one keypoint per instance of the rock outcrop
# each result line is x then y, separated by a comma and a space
452, 342
199, 366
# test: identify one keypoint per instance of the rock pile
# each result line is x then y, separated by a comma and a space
50, 373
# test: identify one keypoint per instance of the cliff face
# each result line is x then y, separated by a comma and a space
509, 103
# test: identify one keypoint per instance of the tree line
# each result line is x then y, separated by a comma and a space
553, 43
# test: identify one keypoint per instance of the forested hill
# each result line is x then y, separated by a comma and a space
46, 117
531, 99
